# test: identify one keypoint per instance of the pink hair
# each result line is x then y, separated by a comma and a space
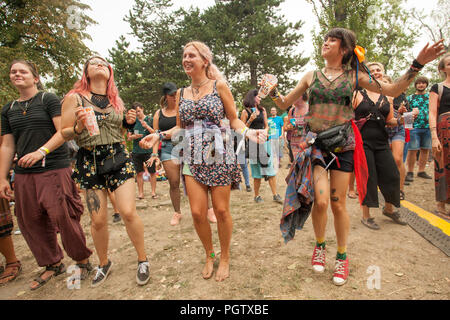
82, 87
212, 72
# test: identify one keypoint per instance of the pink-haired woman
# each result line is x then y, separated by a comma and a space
103, 161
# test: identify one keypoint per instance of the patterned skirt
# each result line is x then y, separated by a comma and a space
442, 165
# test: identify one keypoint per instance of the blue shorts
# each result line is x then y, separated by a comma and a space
420, 139
166, 151
396, 134
260, 171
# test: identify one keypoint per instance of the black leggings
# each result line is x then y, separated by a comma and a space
383, 172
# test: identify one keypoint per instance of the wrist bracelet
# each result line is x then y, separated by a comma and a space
416, 64
244, 131
45, 150
154, 155
75, 130
44, 154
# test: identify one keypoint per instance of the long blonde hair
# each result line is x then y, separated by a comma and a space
212, 72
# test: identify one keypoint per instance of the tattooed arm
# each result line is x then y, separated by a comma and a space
427, 54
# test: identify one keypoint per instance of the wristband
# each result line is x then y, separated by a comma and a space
416, 64
244, 131
154, 155
44, 154
45, 150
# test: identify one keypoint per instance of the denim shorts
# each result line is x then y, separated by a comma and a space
420, 139
396, 134
166, 151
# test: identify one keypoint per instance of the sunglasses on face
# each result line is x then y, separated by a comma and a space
97, 62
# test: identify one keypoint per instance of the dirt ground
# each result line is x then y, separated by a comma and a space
262, 266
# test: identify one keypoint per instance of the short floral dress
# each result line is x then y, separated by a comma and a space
209, 151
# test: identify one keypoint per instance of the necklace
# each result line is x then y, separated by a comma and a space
27, 104
331, 76
197, 87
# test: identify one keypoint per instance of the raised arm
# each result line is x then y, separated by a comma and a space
427, 54
296, 93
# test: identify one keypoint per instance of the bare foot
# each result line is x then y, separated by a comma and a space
223, 271
208, 269
352, 194
211, 215
175, 219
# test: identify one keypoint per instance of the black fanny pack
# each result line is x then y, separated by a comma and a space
112, 162
333, 139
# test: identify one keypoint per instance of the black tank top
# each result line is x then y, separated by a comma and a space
368, 107
166, 123
373, 132
258, 122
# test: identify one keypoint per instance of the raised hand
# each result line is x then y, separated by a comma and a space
429, 53
131, 116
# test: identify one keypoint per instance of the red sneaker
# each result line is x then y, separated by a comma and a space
318, 259
340, 272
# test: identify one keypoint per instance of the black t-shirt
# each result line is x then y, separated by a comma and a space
33, 129
444, 105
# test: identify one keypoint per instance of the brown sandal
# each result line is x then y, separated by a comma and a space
16, 270
57, 270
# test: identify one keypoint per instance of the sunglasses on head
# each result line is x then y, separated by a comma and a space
97, 61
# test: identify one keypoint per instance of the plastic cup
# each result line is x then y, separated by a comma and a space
91, 122
409, 120
268, 82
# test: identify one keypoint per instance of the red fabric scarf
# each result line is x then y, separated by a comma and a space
360, 165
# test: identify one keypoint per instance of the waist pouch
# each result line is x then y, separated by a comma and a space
333, 139
112, 162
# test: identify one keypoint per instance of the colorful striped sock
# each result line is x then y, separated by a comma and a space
320, 242
341, 253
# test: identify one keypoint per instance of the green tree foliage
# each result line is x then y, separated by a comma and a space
48, 32
434, 26
383, 28
247, 38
